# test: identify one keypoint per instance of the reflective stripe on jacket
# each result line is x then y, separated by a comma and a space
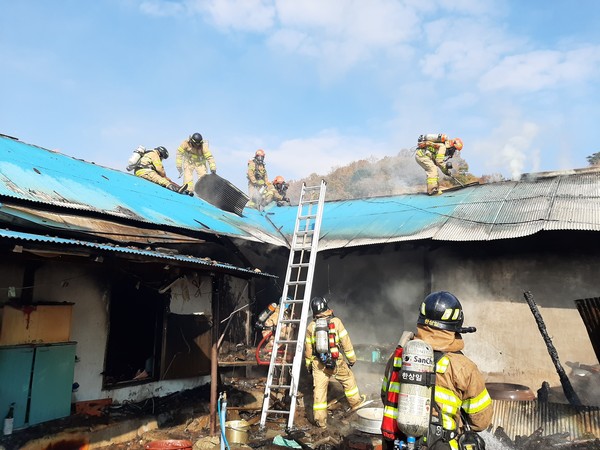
342, 339
452, 369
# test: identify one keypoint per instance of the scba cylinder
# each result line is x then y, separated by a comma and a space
438, 138
321, 336
414, 400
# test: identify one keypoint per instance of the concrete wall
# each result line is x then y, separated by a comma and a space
377, 290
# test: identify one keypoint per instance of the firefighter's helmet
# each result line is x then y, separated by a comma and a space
278, 180
259, 156
196, 139
318, 305
457, 143
441, 310
163, 152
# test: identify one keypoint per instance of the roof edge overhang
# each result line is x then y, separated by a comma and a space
39, 243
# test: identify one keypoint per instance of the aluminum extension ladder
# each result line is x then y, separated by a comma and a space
281, 388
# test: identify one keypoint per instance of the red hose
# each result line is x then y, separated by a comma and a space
265, 339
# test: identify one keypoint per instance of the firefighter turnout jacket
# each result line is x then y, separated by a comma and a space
150, 167
325, 366
459, 384
430, 156
192, 159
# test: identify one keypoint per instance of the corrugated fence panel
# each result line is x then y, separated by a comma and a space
519, 418
589, 309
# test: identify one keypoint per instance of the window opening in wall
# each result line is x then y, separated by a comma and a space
135, 332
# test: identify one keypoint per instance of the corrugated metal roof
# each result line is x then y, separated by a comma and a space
35, 174
506, 210
523, 418
568, 200
188, 260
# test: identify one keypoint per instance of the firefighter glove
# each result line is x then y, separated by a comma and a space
448, 165
350, 364
260, 182
213, 170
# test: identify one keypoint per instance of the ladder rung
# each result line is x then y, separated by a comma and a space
308, 216
297, 265
312, 188
279, 386
283, 364
286, 342
278, 411
290, 321
293, 301
296, 283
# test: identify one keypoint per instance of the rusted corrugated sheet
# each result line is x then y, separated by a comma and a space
519, 418
589, 309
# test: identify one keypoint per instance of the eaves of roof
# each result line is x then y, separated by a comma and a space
181, 260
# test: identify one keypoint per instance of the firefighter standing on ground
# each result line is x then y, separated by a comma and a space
324, 358
434, 151
459, 385
259, 187
192, 156
268, 325
151, 168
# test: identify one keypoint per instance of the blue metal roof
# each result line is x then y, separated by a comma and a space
35, 174
188, 260
568, 200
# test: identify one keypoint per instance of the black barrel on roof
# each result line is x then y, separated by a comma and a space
221, 193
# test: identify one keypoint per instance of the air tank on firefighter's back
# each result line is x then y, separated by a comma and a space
433, 138
321, 335
414, 401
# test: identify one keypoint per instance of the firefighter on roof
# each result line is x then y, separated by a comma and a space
260, 189
151, 168
328, 352
456, 382
192, 156
280, 191
435, 150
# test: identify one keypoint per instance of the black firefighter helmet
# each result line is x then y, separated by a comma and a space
318, 305
441, 310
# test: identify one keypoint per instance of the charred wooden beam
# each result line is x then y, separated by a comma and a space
564, 380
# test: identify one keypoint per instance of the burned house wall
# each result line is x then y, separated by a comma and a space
89, 288
377, 290
557, 268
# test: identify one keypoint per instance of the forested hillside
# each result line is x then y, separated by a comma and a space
391, 175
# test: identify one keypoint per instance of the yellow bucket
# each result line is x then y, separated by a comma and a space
236, 431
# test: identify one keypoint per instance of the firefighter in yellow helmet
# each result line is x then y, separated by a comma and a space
435, 150
192, 156
151, 168
462, 403
328, 353
260, 189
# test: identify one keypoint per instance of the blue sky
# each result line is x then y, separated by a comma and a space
315, 83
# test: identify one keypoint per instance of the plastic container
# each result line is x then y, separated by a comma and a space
169, 444
236, 431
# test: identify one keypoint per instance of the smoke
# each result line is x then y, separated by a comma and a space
511, 147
